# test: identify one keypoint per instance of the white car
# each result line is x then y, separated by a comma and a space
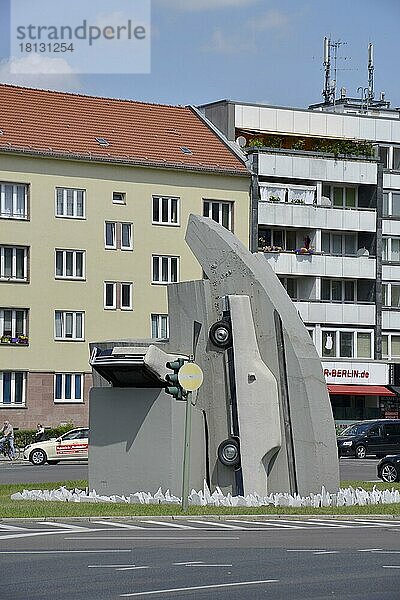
73, 445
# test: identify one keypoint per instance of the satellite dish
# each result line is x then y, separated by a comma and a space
241, 141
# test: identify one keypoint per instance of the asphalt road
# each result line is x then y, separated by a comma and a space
245, 559
351, 469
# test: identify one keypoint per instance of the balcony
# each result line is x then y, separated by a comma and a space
390, 319
321, 265
315, 217
336, 312
316, 167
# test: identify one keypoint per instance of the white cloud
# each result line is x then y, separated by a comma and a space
226, 43
200, 5
39, 71
272, 19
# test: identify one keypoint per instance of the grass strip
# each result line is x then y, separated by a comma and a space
31, 509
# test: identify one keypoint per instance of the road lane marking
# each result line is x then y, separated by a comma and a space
174, 525
200, 587
203, 565
330, 524
305, 550
215, 524
131, 568
13, 536
152, 537
62, 551
326, 552
193, 562
107, 566
369, 550
390, 566
268, 524
65, 526
13, 528
122, 525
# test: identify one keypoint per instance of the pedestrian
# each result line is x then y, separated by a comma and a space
7, 435
39, 435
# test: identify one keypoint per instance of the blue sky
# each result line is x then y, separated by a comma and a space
252, 50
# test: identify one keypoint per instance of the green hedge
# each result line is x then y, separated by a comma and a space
23, 437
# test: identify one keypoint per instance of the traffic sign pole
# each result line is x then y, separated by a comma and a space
186, 453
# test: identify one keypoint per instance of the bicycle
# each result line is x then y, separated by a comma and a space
5, 451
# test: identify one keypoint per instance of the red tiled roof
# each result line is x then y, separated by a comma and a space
58, 123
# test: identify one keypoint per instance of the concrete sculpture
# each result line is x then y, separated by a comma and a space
262, 420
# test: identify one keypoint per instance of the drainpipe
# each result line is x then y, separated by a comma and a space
254, 200
379, 248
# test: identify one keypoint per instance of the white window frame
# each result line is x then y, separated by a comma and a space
331, 187
113, 285
13, 321
74, 260
130, 245
160, 258
169, 200
390, 204
63, 214
13, 403
220, 204
74, 336
388, 294
337, 331
343, 236
387, 249
122, 200
158, 321
73, 399
343, 290
130, 285
389, 335
14, 213
13, 276
113, 245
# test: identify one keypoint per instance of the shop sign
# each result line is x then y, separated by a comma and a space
354, 373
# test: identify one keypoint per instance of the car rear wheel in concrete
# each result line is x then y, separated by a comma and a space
38, 457
228, 453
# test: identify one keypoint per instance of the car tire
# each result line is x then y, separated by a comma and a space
361, 451
53, 462
221, 334
38, 457
229, 453
389, 473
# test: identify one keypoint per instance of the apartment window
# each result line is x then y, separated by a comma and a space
346, 343
13, 263
391, 204
69, 325
165, 210
291, 286
118, 236
160, 326
284, 239
70, 203
391, 295
165, 269
337, 290
68, 387
13, 201
391, 345
70, 264
119, 198
12, 388
342, 197
396, 159
391, 249
221, 212
13, 324
338, 243
118, 295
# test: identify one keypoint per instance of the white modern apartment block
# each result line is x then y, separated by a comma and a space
326, 215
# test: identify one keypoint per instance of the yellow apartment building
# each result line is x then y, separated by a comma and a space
95, 195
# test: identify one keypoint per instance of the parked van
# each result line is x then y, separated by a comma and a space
379, 437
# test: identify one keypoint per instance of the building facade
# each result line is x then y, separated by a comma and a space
326, 215
95, 196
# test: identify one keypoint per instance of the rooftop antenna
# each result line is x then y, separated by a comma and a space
330, 53
371, 93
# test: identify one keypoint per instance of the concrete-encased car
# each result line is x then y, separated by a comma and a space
70, 446
389, 468
379, 437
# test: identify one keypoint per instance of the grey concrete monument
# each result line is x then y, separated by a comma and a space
262, 420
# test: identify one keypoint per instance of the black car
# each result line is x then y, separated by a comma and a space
380, 437
389, 468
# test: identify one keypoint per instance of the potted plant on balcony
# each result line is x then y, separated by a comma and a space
273, 198
23, 339
5, 339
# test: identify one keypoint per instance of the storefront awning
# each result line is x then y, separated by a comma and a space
360, 390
